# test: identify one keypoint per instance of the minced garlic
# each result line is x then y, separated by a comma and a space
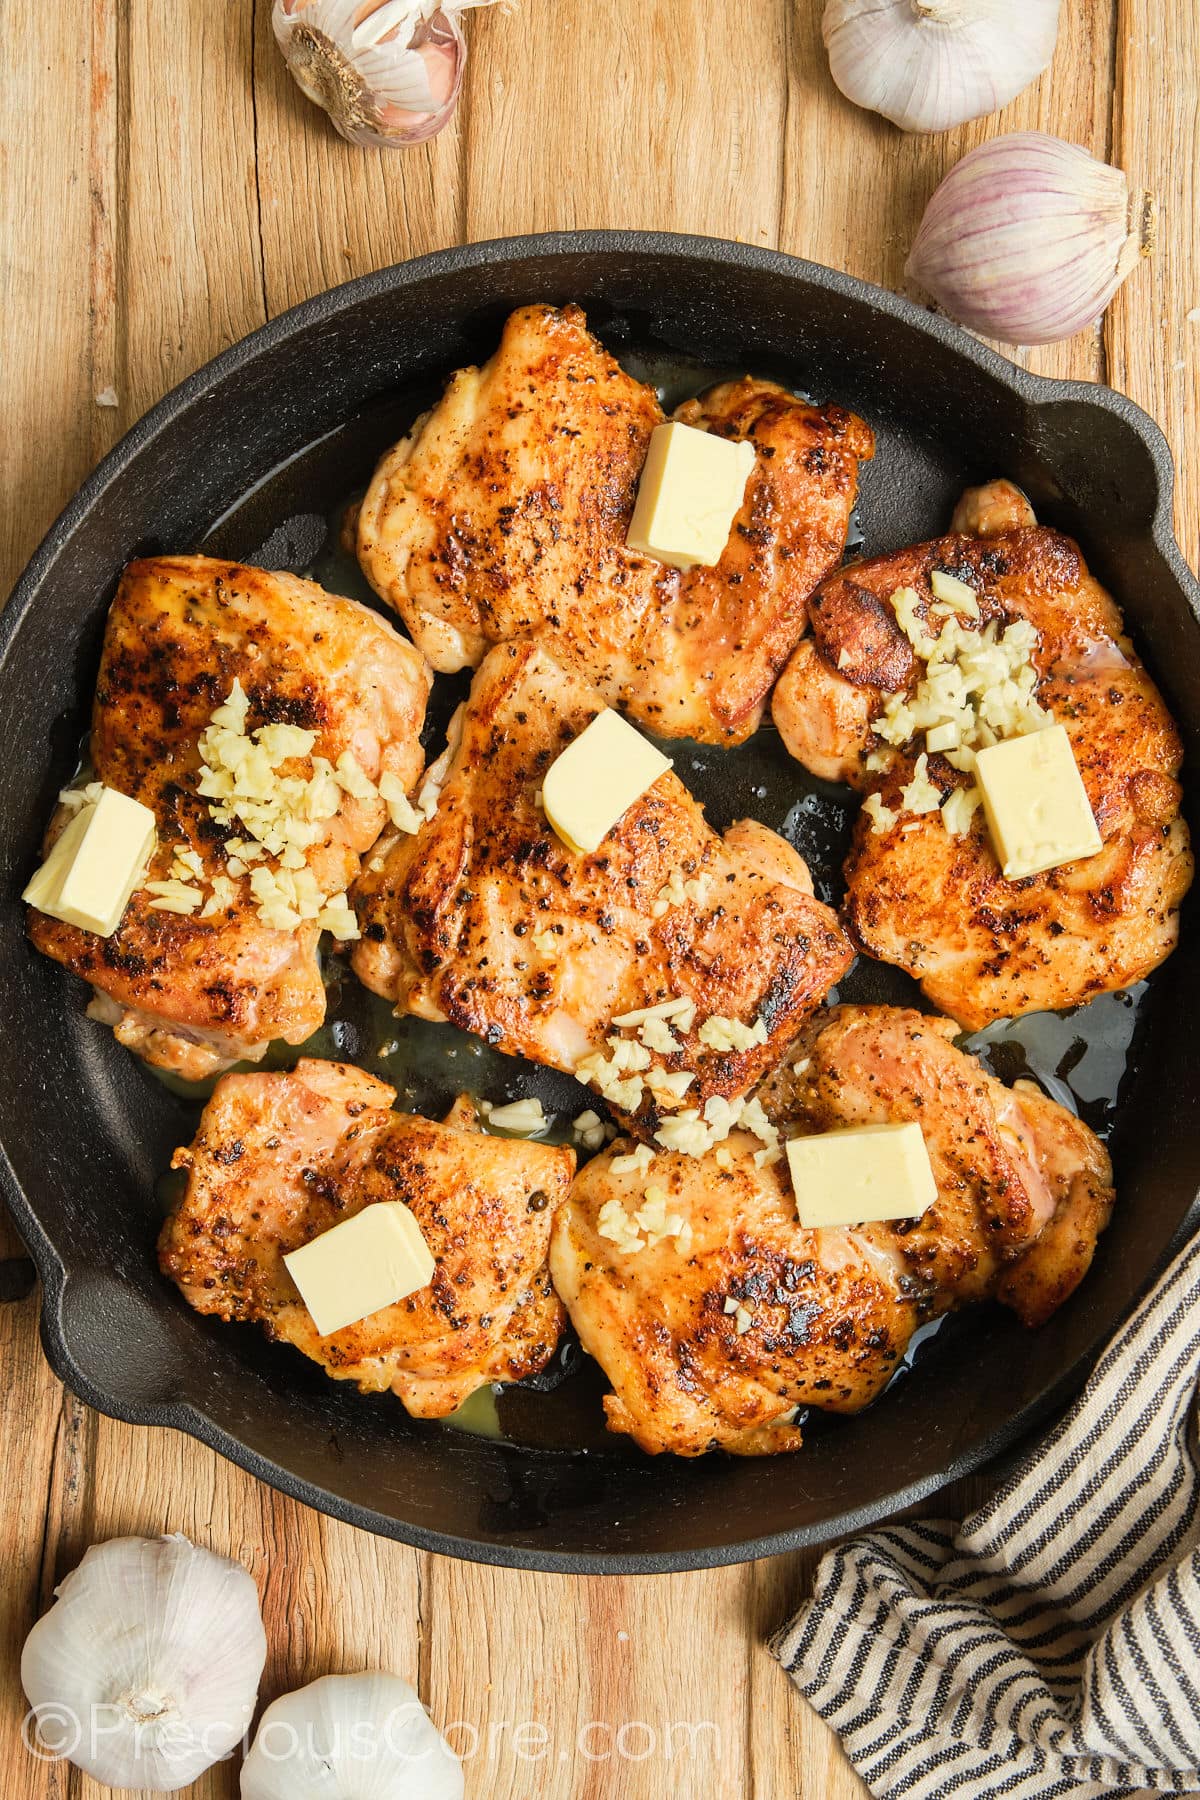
659, 1224
588, 1130
656, 1034
693, 1133
882, 817
669, 1084
635, 1163
521, 1118
651, 1219
920, 795
720, 1033
174, 896
978, 689
682, 1014
282, 816
983, 682
614, 1223
959, 808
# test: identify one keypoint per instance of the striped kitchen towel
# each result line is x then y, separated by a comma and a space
1050, 1644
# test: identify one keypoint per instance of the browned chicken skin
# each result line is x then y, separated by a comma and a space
485, 918
193, 994
504, 515
982, 947
281, 1158
715, 1346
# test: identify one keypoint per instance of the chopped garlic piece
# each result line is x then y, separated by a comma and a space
174, 896
920, 795
882, 817
954, 593
588, 1130
944, 737
402, 813
666, 1009
905, 604
656, 1034
223, 896
614, 1223
351, 779
635, 1163
671, 1083
692, 1134
523, 1118
719, 1033
959, 809
74, 797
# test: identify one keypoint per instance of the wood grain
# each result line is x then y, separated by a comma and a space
167, 188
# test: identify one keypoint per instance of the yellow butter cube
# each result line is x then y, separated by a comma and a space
97, 860
1035, 803
866, 1172
362, 1265
597, 779
691, 490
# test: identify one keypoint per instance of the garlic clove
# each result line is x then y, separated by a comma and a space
350, 1737
1028, 238
930, 64
145, 1670
388, 72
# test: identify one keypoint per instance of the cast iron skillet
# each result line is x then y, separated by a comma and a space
262, 441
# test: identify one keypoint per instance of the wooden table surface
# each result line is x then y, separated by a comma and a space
165, 189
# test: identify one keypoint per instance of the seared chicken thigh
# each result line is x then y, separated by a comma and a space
194, 993
485, 918
937, 905
714, 1333
504, 515
281, 1158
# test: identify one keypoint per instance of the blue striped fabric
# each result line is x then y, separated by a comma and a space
1050, 1644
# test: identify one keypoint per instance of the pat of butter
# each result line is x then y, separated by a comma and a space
97, 860
866, 1172
362, 1265
597, 779
1035, 802
690, 493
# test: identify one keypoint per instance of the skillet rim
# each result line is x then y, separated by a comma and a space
1034, 391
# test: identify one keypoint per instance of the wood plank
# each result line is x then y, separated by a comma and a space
331, 210
188, 252
45, 111
642, 118
855, 187
1153, 326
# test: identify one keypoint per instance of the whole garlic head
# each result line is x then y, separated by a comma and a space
929, 64
145, 1670
388, 72
350, 1737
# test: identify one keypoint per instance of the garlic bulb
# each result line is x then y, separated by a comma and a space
145, 1670
929, 64
1028, 238
350, 1737
386, 71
